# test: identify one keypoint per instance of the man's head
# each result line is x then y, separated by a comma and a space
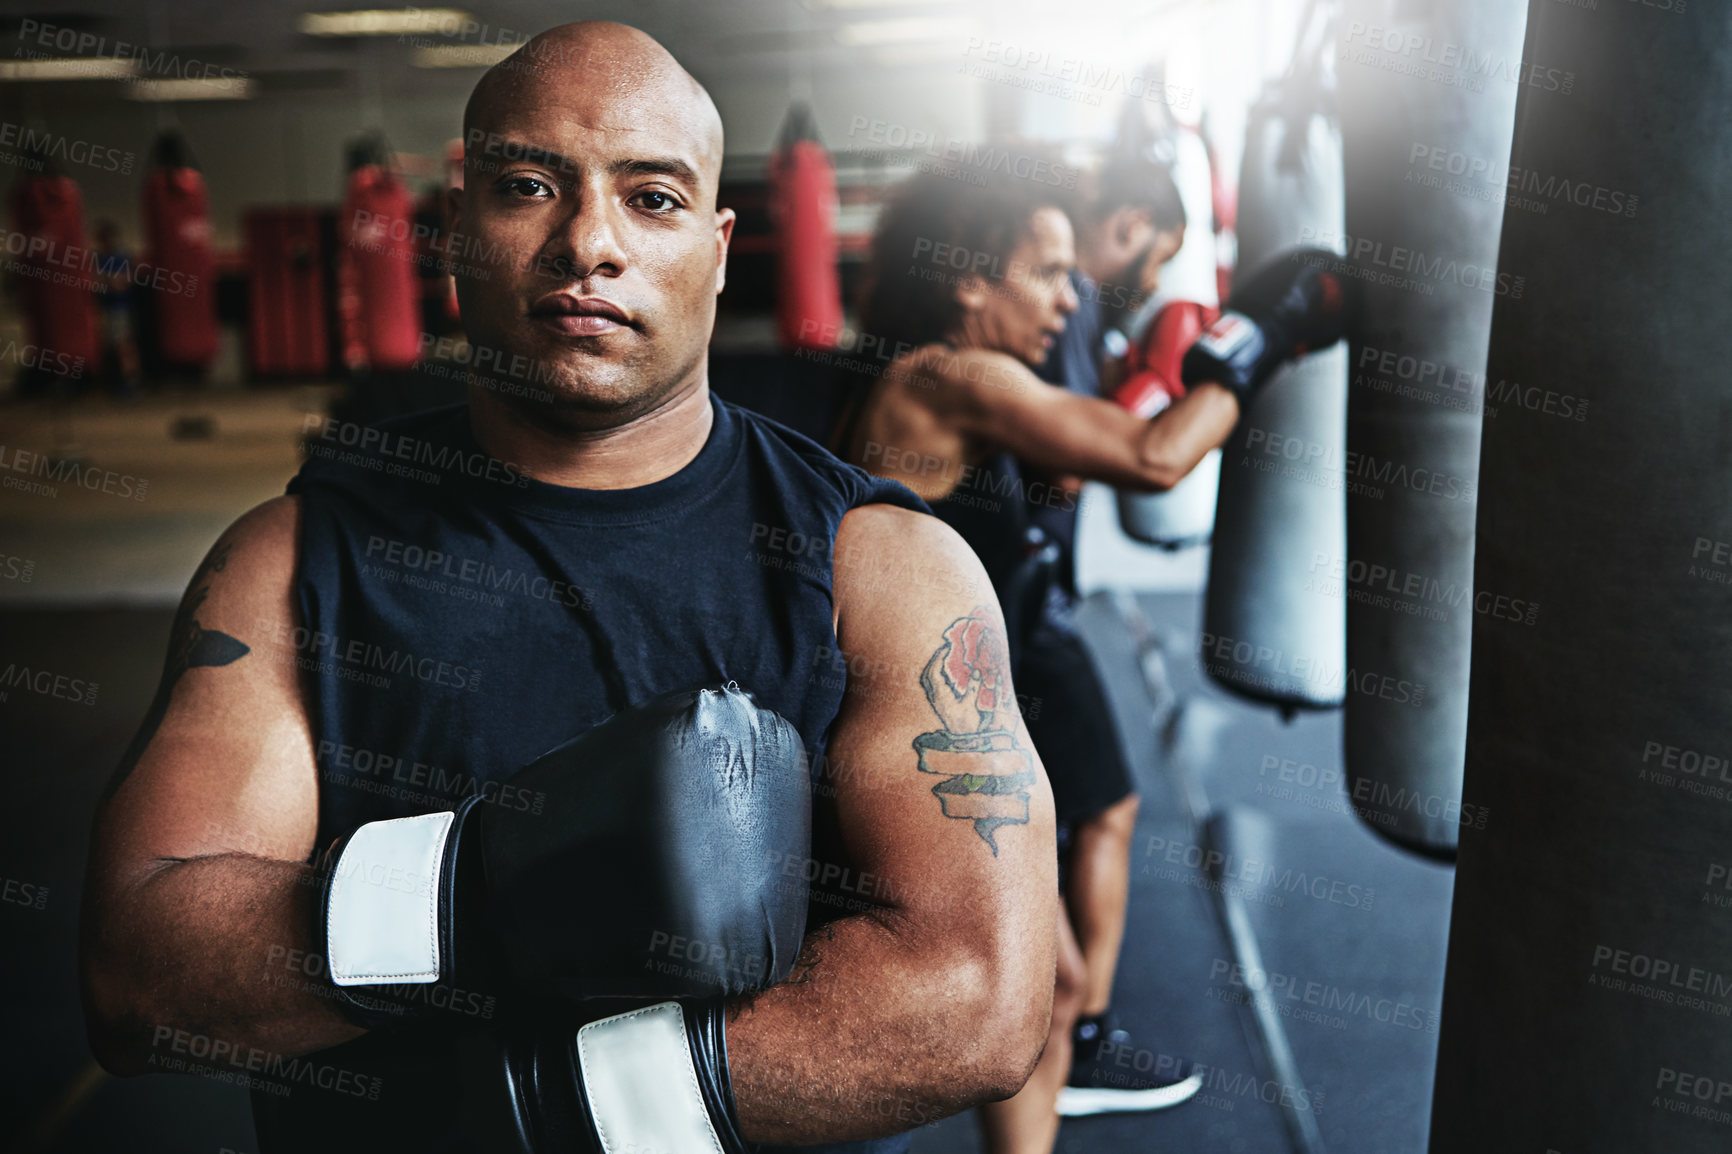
1133, 223
588, 239
982, 267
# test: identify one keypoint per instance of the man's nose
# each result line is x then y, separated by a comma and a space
587, 242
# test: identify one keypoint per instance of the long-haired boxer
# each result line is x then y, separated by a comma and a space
473, 812
969, 288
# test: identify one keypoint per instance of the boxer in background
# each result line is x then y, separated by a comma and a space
1129, 224
970, 288
320, 858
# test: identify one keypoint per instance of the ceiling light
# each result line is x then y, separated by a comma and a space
871, 33
69, 68
462, 55
216, 88
385, 22
819, 5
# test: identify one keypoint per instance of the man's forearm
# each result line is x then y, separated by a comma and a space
883, 1027
215, 946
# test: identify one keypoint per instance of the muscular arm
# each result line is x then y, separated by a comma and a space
994, 399
941, 999
197, 888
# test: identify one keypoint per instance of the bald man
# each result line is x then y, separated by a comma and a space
335, 866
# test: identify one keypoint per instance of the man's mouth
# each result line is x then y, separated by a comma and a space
580, 316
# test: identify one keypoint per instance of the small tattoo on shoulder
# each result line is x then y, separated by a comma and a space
987, 775
190, 646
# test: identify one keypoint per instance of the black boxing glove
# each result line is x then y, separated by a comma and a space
651, 871
653, 1078
1292, 305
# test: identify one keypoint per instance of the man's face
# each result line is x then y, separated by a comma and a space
1023, 314
1124, 239
590, 241
1163, 248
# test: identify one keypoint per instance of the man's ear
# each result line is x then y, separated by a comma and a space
724, 234
1130, 229
454, 225
454, 206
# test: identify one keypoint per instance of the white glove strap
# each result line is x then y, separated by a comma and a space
641, 1084
382, 918
1228, 336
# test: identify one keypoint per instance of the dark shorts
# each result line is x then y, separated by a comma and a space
1066, 707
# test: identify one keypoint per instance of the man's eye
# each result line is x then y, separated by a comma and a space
527, 186
659, 202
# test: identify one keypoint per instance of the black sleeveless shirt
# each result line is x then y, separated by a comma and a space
459, 618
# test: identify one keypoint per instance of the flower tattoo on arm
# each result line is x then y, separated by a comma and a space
987, 775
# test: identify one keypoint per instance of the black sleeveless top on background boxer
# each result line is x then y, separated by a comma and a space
988, 509
458, 619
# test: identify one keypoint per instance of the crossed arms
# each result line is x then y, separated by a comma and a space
940, 996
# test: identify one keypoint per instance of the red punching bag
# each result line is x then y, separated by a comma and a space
286, 328
381, 306
803, 210
178, 239
58, 269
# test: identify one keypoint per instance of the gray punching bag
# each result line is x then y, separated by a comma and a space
1274, 620
1588, 999
1427, 87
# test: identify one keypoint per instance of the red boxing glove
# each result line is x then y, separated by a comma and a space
1152, 368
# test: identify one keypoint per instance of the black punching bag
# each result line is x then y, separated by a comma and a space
1588, 1002
1274, 619
1427, 86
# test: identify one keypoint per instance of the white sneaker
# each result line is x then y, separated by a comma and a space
1080, 1101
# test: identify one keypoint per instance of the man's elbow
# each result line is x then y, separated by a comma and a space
119, 1045
1010, 1068
116, 1054
1011, 1021
113, 1019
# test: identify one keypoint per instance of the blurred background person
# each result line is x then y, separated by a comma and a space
114, 300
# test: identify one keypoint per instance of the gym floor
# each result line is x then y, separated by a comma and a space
1272, 937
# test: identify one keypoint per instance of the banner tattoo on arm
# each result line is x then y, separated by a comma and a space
987, 775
